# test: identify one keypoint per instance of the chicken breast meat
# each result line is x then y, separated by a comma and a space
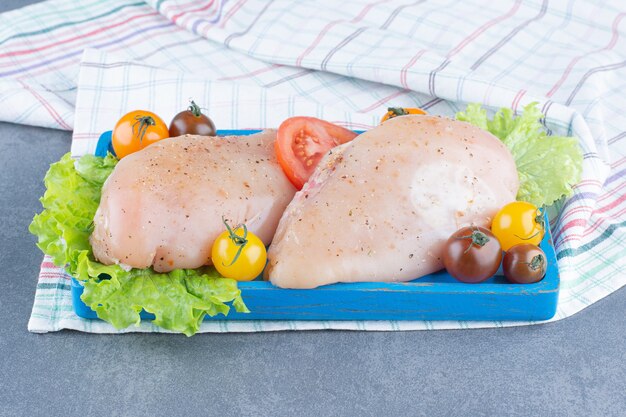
381, 207
163, 206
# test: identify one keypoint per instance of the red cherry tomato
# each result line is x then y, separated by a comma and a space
472, 254
524, 264
192, 122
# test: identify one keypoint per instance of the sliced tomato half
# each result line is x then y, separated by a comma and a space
302, 141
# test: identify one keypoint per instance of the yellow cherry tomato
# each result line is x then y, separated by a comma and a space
238, 254
518, 222
400, 111
136, 130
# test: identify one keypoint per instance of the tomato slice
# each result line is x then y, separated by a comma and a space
302, 141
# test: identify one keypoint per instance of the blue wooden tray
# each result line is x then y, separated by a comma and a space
434, 297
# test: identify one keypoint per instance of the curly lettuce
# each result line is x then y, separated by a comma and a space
179, 299
548, 166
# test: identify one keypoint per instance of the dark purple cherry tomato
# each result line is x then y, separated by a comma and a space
524, 264
472, 254
192, 122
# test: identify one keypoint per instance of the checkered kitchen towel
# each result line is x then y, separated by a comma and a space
344, 61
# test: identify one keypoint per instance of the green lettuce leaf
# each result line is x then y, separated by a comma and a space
548, 166
179, 299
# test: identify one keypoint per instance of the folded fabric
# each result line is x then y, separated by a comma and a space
256, 62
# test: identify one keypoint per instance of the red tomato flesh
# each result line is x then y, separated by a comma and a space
302, 141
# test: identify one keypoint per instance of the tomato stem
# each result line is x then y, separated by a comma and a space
540, 219
195, 109
478, 238
396, 111
537, 261
239, 241
541, 222
144, 122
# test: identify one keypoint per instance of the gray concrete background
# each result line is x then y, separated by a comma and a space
575, 367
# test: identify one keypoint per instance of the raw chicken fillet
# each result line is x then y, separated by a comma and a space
163, 206
381, 207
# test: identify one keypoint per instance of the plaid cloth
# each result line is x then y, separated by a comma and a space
81, 64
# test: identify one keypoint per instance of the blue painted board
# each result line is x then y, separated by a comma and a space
434, 297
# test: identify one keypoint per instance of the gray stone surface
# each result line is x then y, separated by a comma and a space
575, 367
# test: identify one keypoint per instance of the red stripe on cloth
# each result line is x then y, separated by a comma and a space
54, 275
582, 222
576, 210
177, 16
47, 106
339, 46
614, 191
618, 162
583, 80
590, 181
572, 223
614, 204
315, 42
244, 32
517, 99
44, 37
321, 35
574, 61
178, 7
85, 135
288, 78
565, 226
586, 208
252, 74
231, 13
166, 5
354, 125
511, 35
397, 11
66, 61
384, 100
366, 10
483, 28
600, 222
405, 69
79, 37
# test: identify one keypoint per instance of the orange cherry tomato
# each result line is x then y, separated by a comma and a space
136, 130
401, 111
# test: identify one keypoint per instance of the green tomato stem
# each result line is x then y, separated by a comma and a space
397, 111
144, 122
478, 238
239, 241
195, 109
